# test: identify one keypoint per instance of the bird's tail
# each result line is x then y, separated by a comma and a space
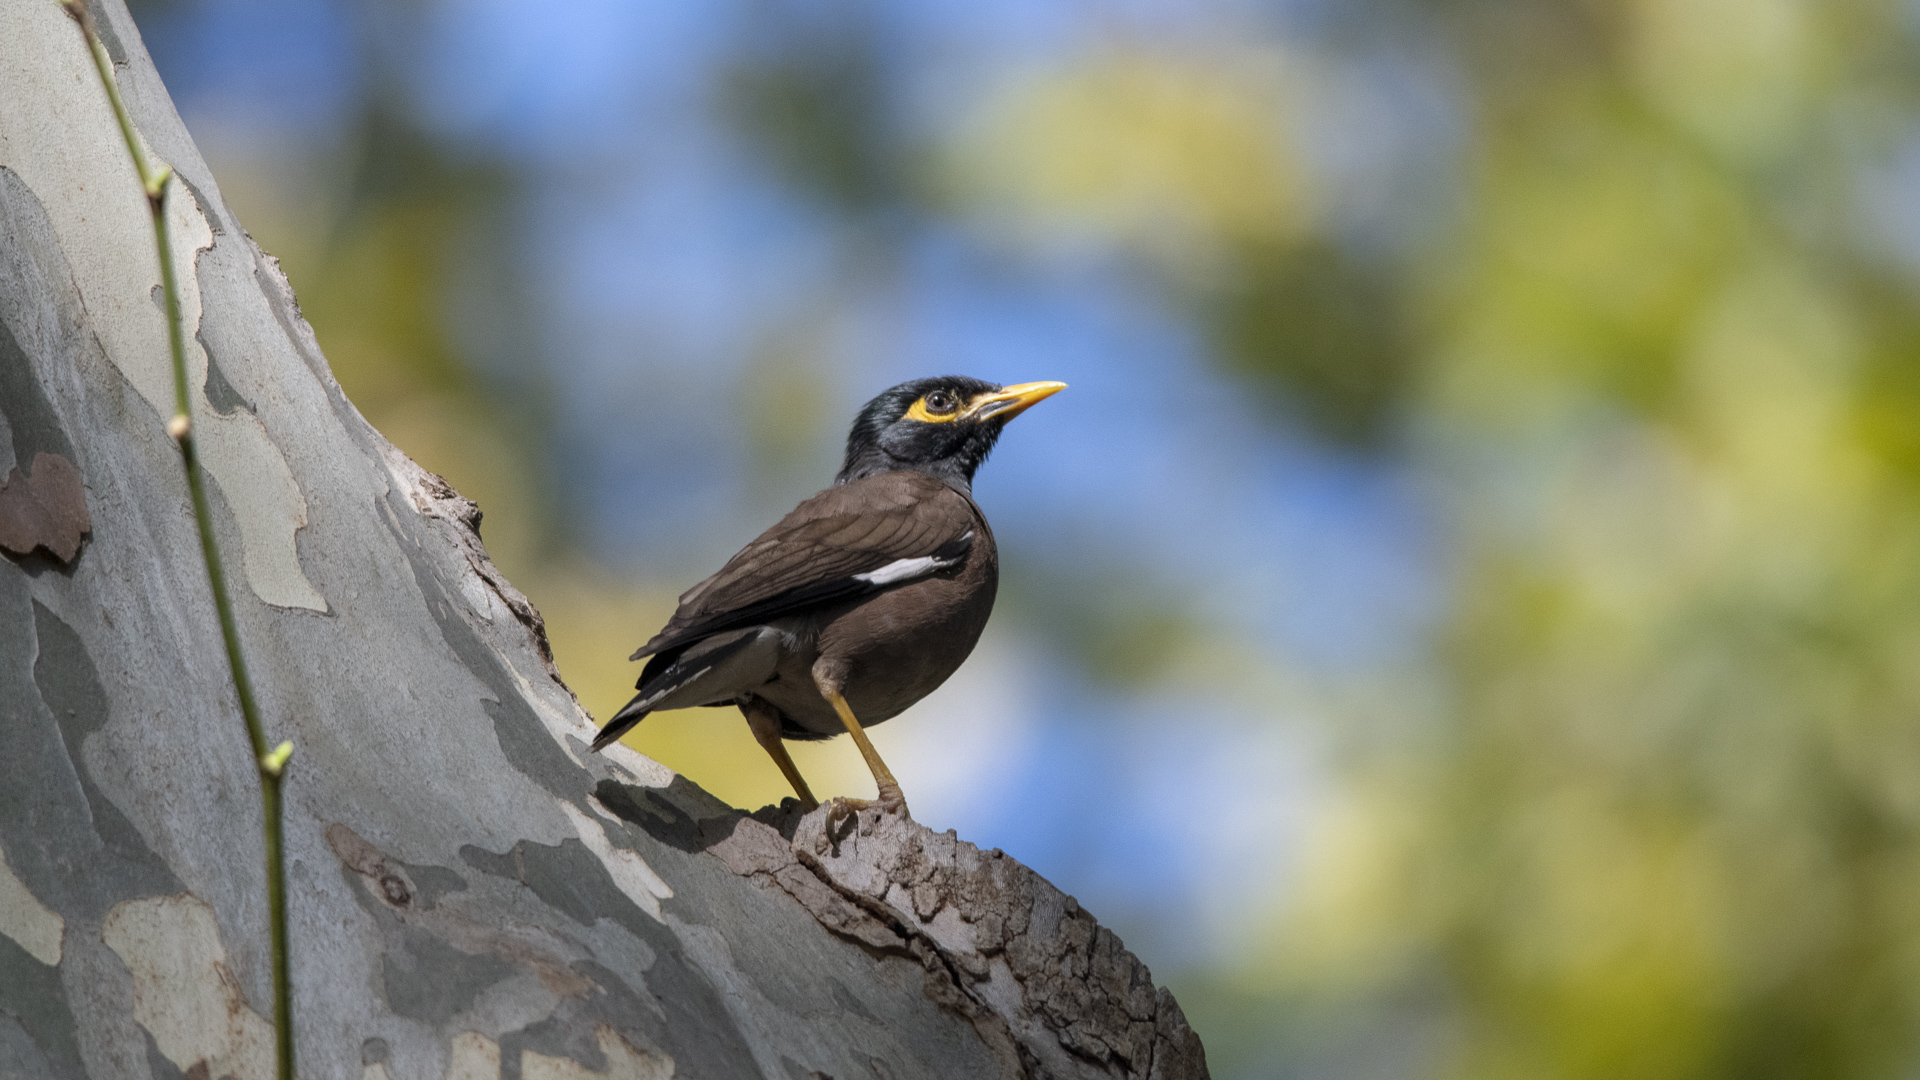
623, 721
682, 668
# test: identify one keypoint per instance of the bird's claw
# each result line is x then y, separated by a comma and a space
891, 801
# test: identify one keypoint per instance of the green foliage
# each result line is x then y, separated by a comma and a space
811, 101
1317, 325
1672, 827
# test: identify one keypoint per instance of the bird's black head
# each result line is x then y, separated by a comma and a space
944, 426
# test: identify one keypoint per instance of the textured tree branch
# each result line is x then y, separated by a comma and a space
1052, 991
473, 894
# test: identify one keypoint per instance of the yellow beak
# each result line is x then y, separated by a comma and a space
1008, 402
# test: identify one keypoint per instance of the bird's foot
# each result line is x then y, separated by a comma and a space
891, 801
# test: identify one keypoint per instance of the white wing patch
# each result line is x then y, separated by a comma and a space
907, 569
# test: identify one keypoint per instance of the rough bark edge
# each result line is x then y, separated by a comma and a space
1046, 986
435, 498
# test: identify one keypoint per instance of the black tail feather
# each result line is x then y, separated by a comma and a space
663, 675
622, 722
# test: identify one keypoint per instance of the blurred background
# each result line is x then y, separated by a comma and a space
1463, 620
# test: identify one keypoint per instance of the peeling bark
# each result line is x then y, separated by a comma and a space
44, 510
473, 894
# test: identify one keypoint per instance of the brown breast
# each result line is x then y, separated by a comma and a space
898, 646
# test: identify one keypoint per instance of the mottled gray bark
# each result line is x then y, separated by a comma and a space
473, 895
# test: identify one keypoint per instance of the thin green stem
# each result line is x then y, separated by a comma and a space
271, 764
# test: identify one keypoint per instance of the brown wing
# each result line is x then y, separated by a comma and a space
858, 538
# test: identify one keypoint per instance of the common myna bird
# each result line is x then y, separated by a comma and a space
862, 600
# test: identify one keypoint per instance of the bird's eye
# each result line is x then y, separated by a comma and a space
940, 402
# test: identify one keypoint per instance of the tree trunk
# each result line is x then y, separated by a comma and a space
473, 894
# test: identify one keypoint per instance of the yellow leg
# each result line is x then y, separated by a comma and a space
765, 725
891, 799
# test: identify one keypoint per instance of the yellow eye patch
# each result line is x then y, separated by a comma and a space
925, 414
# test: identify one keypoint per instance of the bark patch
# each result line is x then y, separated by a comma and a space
624, 1062
27, 921
184, 993
44, 508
